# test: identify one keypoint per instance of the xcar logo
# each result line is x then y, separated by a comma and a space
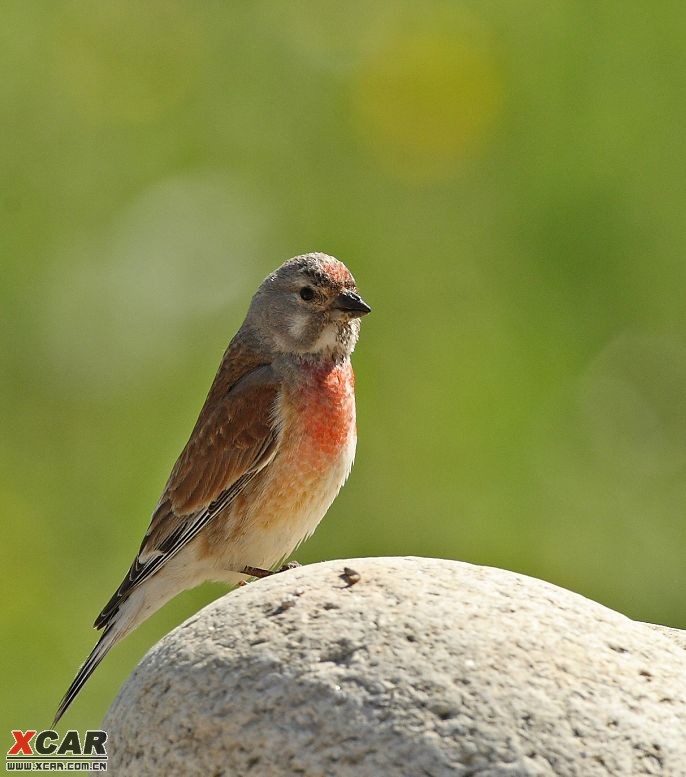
47, 751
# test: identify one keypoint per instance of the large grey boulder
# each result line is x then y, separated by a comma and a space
422, 667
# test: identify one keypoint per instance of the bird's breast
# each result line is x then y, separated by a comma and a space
319, 412
317, 417
272, 515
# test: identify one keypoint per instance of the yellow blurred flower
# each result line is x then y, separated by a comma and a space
428, 98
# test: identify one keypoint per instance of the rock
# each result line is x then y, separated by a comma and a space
419, 667
677, 635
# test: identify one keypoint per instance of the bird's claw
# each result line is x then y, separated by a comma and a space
259, 572
289, 565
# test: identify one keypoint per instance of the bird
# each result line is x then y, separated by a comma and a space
273, 445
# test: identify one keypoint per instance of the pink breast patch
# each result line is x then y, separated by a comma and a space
327, 405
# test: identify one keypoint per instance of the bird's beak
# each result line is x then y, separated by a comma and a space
352, 304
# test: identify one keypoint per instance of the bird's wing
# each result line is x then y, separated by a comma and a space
234, 438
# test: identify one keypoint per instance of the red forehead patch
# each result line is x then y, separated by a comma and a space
337, 271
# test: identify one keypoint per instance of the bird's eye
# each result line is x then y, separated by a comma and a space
306, 293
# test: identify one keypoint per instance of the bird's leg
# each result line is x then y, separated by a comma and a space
258, 572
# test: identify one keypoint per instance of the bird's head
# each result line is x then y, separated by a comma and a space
309, 305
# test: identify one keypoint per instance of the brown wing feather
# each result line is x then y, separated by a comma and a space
218, 453
234, 437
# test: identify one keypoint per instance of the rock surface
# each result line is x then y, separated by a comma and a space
423, 667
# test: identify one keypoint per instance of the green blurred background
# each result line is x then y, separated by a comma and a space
505, 180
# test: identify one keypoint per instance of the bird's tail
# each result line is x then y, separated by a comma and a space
130, 613
108, 638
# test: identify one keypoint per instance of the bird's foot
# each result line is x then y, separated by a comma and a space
258, 572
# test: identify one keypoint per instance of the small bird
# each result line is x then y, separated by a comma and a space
274, 443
